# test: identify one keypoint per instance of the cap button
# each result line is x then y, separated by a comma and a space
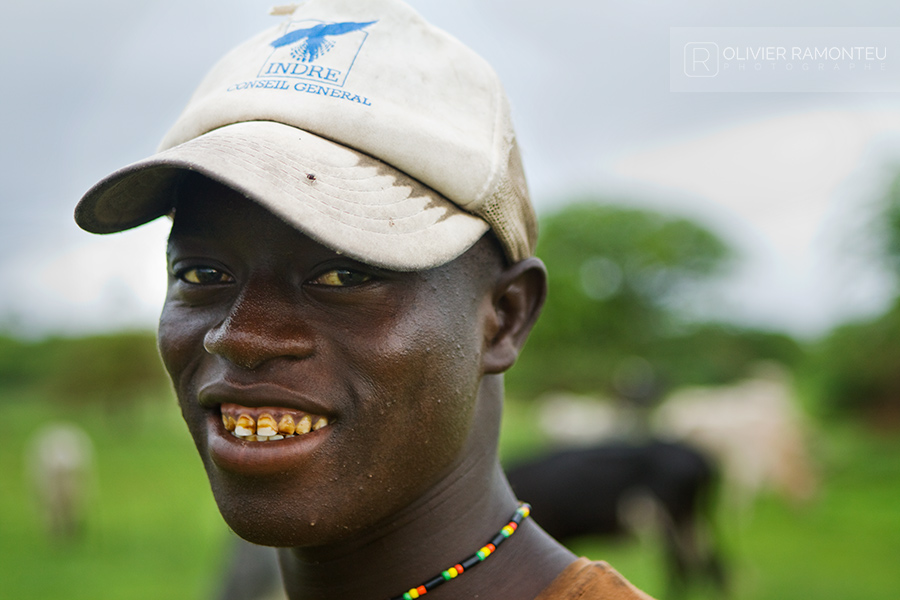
284, 9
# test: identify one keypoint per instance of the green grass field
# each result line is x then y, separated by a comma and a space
154, 532
843, 546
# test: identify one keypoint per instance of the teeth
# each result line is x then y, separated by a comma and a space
245, 423
266, 425
304, 425
286, 425
266, 428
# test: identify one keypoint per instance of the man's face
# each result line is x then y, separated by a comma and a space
264, 320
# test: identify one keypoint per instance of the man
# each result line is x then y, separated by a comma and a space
351, 271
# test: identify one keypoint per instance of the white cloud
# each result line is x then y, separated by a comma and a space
779, 180
103, 283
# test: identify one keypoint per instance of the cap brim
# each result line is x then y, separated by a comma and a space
346, 200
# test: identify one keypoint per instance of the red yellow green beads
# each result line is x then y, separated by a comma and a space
458, 569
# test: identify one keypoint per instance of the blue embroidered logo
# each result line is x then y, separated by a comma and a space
314, 41
318, 54
316, 51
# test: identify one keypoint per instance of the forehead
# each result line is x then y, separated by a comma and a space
202, 203
203, 206
210, 212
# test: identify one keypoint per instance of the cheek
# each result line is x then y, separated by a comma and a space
179, 336
173, 343
427, 384
180, 342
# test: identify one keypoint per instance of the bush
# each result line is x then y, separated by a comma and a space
114, 369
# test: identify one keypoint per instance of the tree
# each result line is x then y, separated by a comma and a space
887, 224
615, 276
115, 369
855, 369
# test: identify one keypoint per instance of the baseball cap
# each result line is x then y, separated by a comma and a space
355, 121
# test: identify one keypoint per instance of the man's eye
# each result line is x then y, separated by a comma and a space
341, 278
204, 276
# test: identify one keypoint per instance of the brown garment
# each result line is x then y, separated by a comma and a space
587, 580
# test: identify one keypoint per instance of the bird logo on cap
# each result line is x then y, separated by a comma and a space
315, 42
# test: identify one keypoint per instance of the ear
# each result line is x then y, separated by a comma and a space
516, 303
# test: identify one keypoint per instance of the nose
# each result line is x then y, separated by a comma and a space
261, 325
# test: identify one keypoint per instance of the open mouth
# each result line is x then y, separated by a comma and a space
261, 430
268, 424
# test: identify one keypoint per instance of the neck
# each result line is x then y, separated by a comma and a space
449, 523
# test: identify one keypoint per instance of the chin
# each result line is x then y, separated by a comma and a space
263, 513
274, 533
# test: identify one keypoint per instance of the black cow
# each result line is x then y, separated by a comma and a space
250, 573
586, 491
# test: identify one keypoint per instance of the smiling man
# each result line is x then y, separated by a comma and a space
351, 271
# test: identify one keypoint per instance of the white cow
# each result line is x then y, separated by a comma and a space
60, 465
755, 431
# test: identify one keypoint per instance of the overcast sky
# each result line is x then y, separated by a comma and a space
787, 178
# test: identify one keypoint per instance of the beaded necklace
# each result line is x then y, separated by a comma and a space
456, 570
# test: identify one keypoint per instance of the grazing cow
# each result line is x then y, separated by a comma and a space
755, 432
60, 464
251, 573
573, 420
591, 491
